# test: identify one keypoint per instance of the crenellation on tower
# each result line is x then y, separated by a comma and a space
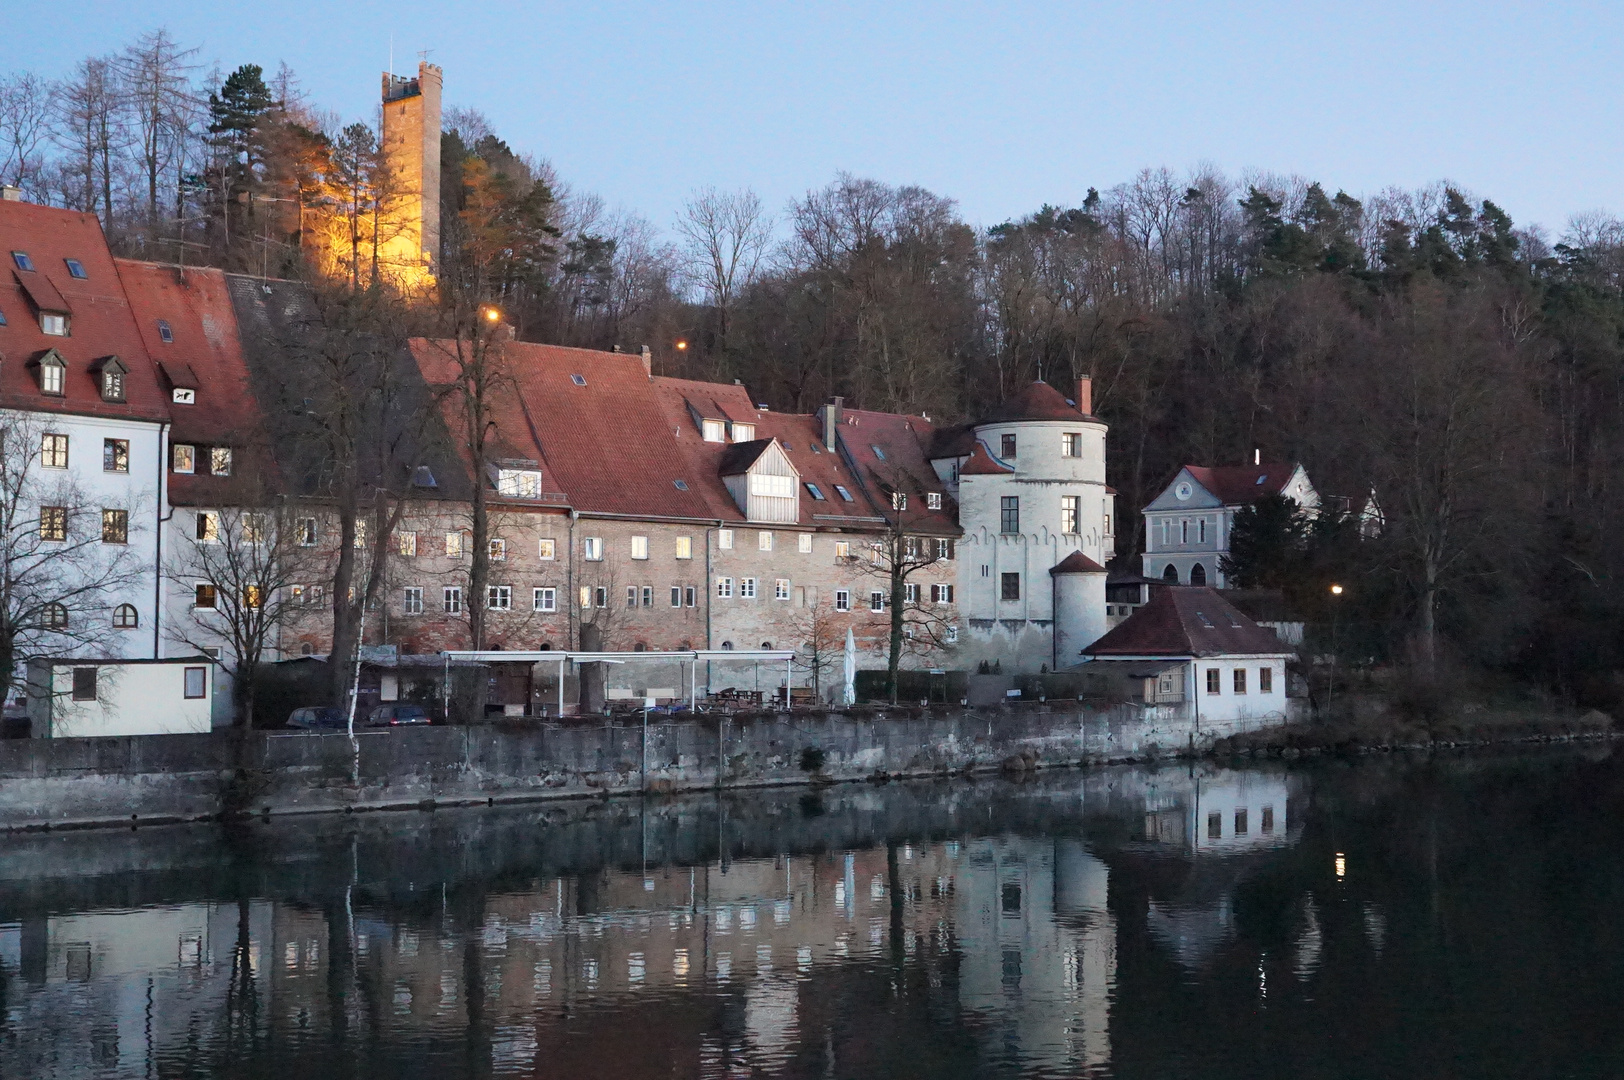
411, 150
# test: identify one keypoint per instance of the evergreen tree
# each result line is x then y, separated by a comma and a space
1267, 544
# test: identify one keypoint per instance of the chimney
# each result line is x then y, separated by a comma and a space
10, 193
1085, 395
831, 418
648, 362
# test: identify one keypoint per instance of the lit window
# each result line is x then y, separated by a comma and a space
812, 489
406, 543
498, 548
52, 375
112, 385
360, 533
499, 597
55, 326
76, 269
781, 589
22, 260
747, 588
204, 596
1265, 680
453, 545
53, 451
899, 500
544, 599
1070, 512
125, 617
183, 458
1010, 586
412, 604
115, 526
586, 596
1009, 514
842, 549
220, 461
592, 548
771, 486
305, 530
639, 547
804, 543
1071, 445
843, 493
208, 527
724, 539
1240, 680
842, 600
744, 432
165, 334
724, 587
764, 541
933, 500
714, 431
1213, 681
685, 547
451, 599
876, 601
546, 549
1007, 444
518, 483
53, 522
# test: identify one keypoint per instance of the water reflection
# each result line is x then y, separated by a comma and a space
1082, 924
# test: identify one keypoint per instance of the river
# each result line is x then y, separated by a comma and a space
1395, 916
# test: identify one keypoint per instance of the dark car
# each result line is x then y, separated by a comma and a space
319, 718
397, 715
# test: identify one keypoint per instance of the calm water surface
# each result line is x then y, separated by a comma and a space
1390, 918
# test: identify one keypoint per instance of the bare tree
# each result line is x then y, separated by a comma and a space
724, 237
823, 643
64, 561
162, 109
242, 562
25, 126
88, 128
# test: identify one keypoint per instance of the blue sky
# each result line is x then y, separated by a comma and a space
1003, 107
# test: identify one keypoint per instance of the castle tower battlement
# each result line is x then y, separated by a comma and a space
411, 150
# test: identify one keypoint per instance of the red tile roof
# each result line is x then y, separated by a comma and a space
1077, 563
981, 463
1039, 401
1187, 621
902, 440
101, 323
1238, 485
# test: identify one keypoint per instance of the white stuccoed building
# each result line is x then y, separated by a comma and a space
1187, 526
1030, 485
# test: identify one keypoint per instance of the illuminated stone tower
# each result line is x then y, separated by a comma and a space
410, 245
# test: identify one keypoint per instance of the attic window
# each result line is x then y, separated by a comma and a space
744, 432
1259, 480
933, 500
518, 483
713, 430
112, 388
578, 380
165, 333
843, 493
52, 374
680, 485
52, 324
877, 451
423, 477
76, 269
22, 260
816, 449
812, 489
1204, 620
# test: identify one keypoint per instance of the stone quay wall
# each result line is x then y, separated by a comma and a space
51, 783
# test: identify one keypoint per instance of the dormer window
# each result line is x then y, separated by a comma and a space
22, 260
518, 483
76, 269
220, 461
111, 371
52, 374
713, 431
165, 334
744, 432
53, 325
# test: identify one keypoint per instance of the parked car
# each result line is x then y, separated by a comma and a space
398, 716
319, 718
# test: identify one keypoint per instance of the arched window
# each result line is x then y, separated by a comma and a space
1198, 574
727, 644
125, 617
307, 648
1171, 574
54, 617
766, 644
546, 646
640, 647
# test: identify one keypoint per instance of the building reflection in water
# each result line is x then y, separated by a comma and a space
981, 914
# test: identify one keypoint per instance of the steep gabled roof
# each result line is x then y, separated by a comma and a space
1187, 621
1239, 485
738, 457
101, 326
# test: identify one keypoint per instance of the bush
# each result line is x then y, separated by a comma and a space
812, 758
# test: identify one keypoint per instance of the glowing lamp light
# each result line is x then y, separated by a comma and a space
491, 314
1336, 590
1341, 865
682, 346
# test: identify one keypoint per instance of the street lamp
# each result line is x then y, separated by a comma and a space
492, 313
682, 346
1336, 610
